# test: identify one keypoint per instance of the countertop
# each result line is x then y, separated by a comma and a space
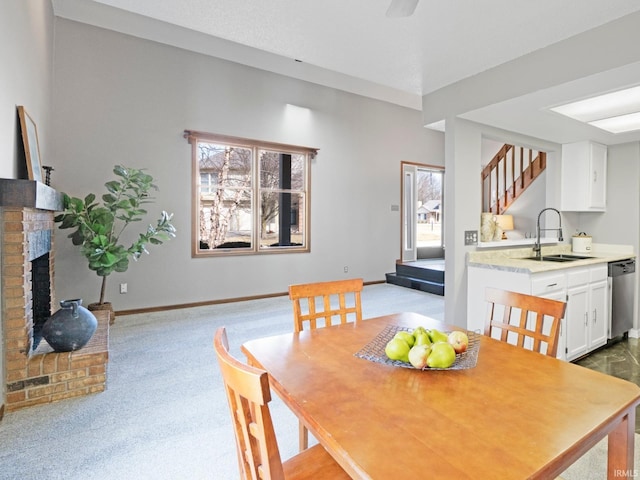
514, 259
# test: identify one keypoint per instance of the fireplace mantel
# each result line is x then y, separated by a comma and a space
30, 194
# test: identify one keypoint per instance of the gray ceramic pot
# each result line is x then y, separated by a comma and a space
71, 327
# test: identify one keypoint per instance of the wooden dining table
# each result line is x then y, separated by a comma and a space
514, 414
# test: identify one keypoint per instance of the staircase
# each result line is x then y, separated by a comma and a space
508, 175
504, 179
425, 275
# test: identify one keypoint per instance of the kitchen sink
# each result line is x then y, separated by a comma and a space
561, 257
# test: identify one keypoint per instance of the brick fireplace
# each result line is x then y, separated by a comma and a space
33, 373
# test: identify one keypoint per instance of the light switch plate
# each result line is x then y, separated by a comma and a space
471, 237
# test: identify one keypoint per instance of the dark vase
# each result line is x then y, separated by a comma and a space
71, 327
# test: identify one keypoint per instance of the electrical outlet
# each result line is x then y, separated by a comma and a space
471, 237
123, 288
346, 269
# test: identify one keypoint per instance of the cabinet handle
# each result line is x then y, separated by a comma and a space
552, 285
586, 319
595, 176
595, 316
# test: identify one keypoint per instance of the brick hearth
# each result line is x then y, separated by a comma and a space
40, 375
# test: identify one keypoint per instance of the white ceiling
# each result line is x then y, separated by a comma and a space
352, 45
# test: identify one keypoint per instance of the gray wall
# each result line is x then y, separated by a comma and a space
120, 99
26, 45
463, 155
620, 223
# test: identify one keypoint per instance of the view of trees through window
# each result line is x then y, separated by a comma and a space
251, 198
429, 210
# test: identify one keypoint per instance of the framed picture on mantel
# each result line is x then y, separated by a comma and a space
31, 147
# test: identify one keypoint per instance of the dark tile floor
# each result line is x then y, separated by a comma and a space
621, 359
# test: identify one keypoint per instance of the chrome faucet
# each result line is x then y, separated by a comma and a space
537, 248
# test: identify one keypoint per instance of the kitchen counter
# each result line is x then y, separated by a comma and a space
514, 259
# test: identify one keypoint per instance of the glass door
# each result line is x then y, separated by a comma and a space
422, 212
430, 212
409, 236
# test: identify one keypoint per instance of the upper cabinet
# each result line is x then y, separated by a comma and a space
584, 177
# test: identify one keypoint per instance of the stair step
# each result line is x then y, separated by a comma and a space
428, 286
423, 271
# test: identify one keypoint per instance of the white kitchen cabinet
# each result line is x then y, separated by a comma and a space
577, 320
478, 279
553, 286
587, 311
599, 308
549, 284
584, 327
583, 177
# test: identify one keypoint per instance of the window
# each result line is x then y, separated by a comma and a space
250, 197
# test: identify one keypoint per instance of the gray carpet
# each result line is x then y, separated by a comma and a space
164, 414
593, 465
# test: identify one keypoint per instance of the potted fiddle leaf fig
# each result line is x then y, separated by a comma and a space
98, 226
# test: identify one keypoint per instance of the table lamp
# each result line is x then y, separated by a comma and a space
505, 222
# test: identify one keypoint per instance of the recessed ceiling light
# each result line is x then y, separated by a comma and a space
616, 112
619, 124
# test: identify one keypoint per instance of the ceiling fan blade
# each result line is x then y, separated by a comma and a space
401, 8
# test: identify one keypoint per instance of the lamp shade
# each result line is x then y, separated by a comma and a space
505, 222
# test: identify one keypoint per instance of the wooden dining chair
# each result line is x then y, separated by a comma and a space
249, 395
523, 319
326, 300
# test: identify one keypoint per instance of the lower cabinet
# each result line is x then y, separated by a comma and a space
584, 327
554, 286
587, 310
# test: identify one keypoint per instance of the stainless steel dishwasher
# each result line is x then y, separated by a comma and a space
621, 293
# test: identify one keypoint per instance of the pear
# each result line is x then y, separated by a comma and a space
406, 336
422, 338
418, 355
459, 341
397, 349
418, 330
438, 336
442, 355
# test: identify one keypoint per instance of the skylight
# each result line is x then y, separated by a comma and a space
615, 112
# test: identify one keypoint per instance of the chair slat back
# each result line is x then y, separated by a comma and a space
340, 299
523, 317
248, 395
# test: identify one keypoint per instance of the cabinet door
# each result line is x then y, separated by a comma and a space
598, 176
598, 309
560, 295
577, 321
478, 279
553, 286
583, 177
